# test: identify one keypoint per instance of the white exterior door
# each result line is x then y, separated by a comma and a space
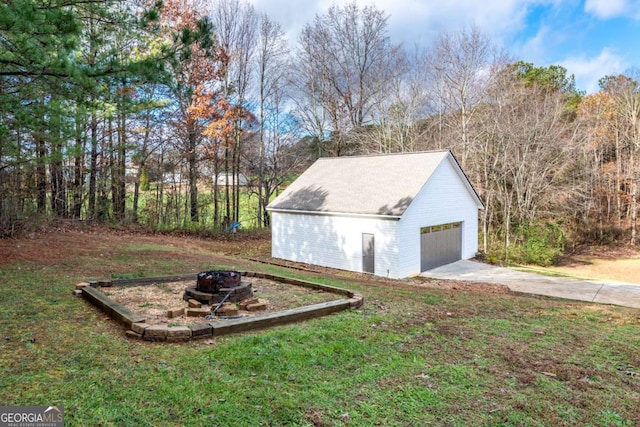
368, 253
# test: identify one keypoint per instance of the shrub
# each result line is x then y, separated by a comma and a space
540, 244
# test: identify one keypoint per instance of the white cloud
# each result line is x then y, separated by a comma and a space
605, 9
413, 21
421, 21
291, 18
535, 49
539, 31
589, 70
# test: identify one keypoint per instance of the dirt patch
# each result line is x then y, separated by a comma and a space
56, 245
361, 278
528, 367
46, 248
68, 243
461, 286
598, 252
155, 300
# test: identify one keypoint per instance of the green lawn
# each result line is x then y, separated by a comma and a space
413, 356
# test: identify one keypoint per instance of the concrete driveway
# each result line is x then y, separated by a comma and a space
624, 294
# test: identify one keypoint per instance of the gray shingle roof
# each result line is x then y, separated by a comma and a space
370, 185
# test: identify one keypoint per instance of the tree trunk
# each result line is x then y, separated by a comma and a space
78, 175
136, 194
236, 174
58, 193
216, 190
41, 175
618, 184
634, 212
93, 166
122, 168
193, 176
485, 229
266, 219
113, 168
227, 217
160, 208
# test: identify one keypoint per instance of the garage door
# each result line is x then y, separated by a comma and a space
440, 245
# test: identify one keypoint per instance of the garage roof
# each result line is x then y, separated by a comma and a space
381, 185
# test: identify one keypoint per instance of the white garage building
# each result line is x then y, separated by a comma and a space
391, 215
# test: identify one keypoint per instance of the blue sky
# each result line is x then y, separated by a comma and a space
591, 38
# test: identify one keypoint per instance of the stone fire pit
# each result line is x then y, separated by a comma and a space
214, 286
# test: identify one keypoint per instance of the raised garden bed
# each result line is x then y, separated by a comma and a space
153, 309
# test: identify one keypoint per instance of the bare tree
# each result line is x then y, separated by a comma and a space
625, 91
345, 64
525, 160
461, 68
236, 23
272, 61
600, 153
308, 101
196, 74
401, 111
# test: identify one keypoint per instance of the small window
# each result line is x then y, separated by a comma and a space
440, 227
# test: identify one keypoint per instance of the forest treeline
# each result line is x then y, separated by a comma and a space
192, 114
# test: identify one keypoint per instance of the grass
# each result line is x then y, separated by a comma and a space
175, 214
412, 356
602, 266
621, 270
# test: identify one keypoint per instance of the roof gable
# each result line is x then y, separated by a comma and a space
368, 185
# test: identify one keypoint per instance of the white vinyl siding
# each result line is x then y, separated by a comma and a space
443, 199
334, 241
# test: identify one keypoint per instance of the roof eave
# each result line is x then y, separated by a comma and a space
328, 213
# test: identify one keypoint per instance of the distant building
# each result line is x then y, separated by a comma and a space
173, 178
223, 178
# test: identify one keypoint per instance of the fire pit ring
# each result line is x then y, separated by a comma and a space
214, 286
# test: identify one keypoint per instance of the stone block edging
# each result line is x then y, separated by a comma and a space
138, 328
